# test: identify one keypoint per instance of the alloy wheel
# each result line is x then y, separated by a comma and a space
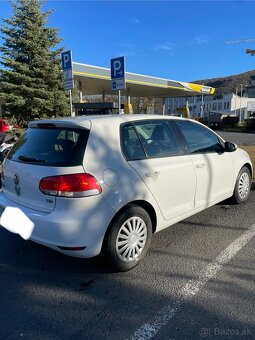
243, 185
131, 239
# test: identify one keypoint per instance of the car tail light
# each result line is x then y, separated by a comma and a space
74, 185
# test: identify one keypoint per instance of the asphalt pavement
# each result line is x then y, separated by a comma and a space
186, 288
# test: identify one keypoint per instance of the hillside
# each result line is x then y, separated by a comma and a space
228, 84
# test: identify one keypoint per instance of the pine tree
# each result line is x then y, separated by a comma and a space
31, 78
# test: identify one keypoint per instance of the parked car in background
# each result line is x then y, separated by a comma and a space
7, 141
5, 126
107, 183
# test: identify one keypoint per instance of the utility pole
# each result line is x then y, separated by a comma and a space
202, 106
236, 100
240, 118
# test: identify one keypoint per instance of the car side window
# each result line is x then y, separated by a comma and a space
66, 140
158, 138
199, 139
130, 143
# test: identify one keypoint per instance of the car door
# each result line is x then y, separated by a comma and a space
153, 150
214, 167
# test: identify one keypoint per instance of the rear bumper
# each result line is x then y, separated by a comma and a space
84, 226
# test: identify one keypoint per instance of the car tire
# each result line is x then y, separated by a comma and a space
129, 238
242, 186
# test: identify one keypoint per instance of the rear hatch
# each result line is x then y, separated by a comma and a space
44, 150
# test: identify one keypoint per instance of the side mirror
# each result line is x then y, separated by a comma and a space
230, 147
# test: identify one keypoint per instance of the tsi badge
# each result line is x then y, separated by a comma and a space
16, 182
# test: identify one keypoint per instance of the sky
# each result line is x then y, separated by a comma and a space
179, 40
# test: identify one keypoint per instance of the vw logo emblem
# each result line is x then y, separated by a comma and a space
16, 179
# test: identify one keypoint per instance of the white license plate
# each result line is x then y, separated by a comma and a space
15, 221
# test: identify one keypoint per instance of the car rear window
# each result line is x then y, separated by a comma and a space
51, 146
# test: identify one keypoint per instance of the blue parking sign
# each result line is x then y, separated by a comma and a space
66, 60
67, 68
118, 68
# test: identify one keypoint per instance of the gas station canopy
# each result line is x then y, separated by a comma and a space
97, 80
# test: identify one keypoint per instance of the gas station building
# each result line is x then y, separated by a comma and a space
94, 80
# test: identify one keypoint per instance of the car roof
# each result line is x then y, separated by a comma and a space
87, 120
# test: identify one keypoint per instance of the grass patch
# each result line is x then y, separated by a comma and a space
251, 151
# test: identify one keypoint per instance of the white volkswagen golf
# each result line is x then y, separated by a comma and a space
107, 183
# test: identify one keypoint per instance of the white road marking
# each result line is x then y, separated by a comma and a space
148, 330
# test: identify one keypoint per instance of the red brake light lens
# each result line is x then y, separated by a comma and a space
74, 185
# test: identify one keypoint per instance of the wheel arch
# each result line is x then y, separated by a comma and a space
150, 210
250, 168
140, 203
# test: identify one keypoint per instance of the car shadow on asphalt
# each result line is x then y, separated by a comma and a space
29, 256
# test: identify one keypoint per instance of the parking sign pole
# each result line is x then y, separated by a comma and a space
119, 101
71, 102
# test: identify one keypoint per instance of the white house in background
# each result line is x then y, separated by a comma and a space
251, 88
202, 106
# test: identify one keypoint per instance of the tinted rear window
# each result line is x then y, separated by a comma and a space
51, 146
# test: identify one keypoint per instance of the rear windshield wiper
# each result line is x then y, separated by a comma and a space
31, 159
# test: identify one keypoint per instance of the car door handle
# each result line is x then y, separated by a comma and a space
152, 174
200, 165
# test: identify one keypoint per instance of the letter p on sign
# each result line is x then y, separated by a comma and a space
117, 68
